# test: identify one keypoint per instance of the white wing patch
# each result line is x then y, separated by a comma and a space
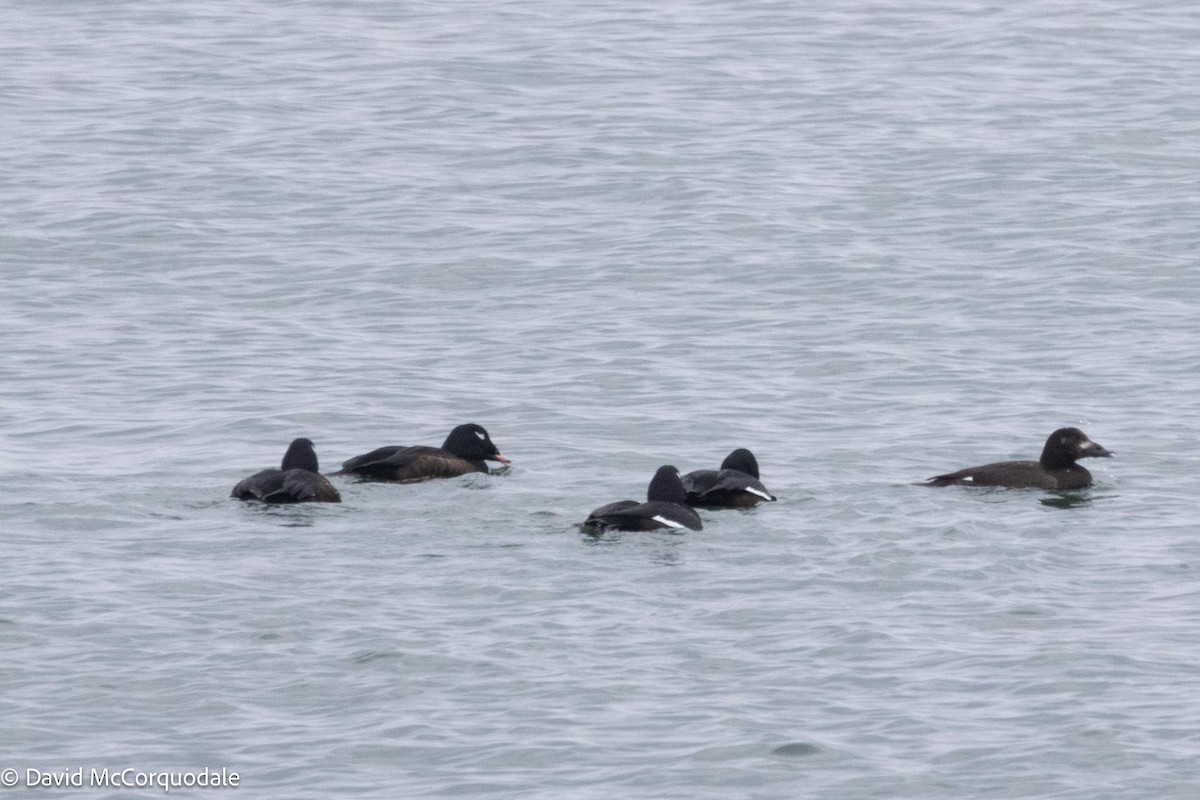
968, 478
670, 523
759, 492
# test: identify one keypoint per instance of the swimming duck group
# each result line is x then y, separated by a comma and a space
671, 498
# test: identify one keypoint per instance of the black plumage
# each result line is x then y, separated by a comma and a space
1055, 470
466, 450
298, 480
665, 507
734, 485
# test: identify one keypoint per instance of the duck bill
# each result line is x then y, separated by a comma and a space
500, 458
1093, 450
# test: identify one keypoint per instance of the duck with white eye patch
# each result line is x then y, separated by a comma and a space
734, 485
1055, 470
466, 450
298, 480
665, 508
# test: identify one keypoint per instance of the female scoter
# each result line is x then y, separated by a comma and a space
464, 451
1056, 469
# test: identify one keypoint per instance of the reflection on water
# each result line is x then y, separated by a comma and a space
664, 544
1067, 500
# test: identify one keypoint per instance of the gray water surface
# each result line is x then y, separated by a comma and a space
872, 243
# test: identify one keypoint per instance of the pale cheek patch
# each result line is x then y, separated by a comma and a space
670, 523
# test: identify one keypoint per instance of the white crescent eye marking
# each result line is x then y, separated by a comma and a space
482, 436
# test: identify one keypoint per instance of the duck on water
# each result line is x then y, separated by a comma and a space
1055, 470
734, 485
466, 450
298, 480
665, 507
